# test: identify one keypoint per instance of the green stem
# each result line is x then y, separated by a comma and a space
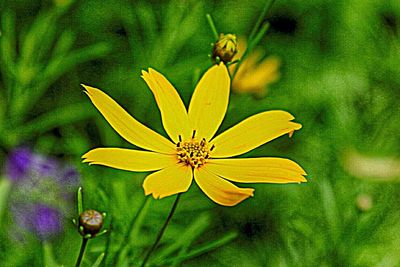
260, 19
255, 37
81, 252
160, 234
212, 26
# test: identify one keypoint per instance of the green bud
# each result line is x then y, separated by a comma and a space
90, 222
225, 48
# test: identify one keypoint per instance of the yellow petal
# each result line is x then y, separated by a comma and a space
173, 111
253, 132
258, 170
129, 159
209, 102
220, 190
169, 181
129, 128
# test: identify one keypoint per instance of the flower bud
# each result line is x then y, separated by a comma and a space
91, 221
225, 48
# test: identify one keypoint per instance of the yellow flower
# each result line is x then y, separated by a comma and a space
254, 75
194, 151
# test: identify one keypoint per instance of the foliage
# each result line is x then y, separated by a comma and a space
339, 77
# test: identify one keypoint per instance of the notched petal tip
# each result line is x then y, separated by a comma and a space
250, 191
89, 90
301, 178
147, 73
155, 195
297, 126
87, 154
85, 86
147, 192
302, 171
144, 74
85, 89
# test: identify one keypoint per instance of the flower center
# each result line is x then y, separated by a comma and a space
193, 152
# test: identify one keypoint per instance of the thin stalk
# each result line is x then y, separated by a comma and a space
81, 252
252, 38
160, 234
212, 26
260, 19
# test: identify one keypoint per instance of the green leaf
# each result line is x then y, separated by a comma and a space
48, 256
8, 48
5, 187
56, 68
61, 116
98, 260
192, 232
203, 249
64, 44
38, 35
330, 208
133, 232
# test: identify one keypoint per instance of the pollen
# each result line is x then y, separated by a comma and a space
193, 152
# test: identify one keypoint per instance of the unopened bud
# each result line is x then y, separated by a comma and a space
91, 221
225, 48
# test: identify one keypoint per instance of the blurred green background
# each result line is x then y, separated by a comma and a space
340, 77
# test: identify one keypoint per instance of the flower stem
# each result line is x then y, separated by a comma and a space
212, 26
160, 234
81, 252
260, 19
255, 37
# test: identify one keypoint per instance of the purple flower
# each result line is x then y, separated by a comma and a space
46, 221
40, 219
18, 164
43, 192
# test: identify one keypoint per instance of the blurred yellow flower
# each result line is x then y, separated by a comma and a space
193, 152
254, 75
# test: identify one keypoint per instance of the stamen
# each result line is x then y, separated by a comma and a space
212, 147
180, 138
203, 142
192, 152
